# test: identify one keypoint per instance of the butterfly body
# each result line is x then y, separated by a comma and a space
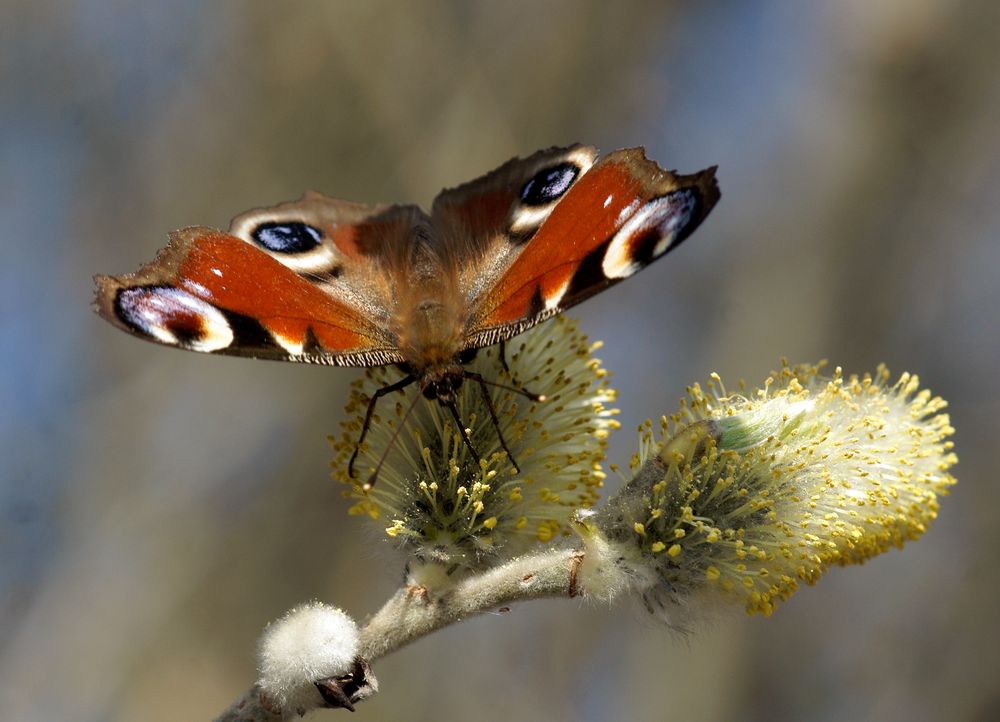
430, 317
321, 280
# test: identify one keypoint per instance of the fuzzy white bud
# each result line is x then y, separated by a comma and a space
310, 642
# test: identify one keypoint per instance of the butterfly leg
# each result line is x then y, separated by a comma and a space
399, 385
493, 414
521, 390
503, 358
367, 486
461, 428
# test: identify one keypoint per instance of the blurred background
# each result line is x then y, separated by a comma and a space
157, 508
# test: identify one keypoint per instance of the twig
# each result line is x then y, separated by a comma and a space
413, 612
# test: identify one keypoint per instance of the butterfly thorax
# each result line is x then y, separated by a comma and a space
430, 339
430, 314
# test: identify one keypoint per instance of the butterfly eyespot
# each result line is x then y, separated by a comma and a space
174, 317
549, 184
287, 237
655, 228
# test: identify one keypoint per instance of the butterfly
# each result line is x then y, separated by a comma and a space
327, 281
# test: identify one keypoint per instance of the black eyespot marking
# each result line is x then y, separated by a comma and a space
589, 276
146, 309
537, 303
249, 334
549, 184
643, 245
311, 345
287, 237
686, 207
173, 316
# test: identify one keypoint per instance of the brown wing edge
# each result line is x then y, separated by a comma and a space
161, 270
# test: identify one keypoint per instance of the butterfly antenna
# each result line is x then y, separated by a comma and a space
367, 486
493, 412
398, 386
465, 434
523, 391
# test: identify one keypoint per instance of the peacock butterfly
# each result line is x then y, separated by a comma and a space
320, 280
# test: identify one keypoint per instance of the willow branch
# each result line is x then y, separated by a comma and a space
414, 612
251, 706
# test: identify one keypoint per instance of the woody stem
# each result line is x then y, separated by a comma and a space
410, 614
413, 612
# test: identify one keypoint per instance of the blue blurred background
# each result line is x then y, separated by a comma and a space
157, 507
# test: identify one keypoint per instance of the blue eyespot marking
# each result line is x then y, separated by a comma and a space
549, 184
287, 237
